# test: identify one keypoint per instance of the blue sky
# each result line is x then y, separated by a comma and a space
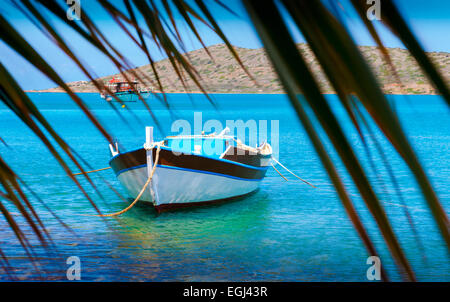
429, 19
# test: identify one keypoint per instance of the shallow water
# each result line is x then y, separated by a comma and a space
286, 231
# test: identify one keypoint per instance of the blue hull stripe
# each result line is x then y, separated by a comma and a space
185, 169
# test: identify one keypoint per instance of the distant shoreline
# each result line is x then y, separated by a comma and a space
199, 92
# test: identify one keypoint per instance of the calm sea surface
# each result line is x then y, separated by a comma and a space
287, 231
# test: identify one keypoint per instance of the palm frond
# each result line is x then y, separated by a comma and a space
356, 73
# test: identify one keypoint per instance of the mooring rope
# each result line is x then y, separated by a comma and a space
142, 190
290, 172
278, 172
333, 191
91, 171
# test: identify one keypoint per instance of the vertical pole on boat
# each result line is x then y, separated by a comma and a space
114, 152
149, 146
149, 136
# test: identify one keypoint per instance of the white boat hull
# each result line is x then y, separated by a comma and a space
174, 187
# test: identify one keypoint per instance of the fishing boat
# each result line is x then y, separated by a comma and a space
191, 170
125, 91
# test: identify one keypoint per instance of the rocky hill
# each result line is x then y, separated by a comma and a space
224, 75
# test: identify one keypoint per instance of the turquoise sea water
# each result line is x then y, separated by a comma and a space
286, 231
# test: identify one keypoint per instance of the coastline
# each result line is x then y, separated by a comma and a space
199, 92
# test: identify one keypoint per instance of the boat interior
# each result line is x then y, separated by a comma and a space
216, 146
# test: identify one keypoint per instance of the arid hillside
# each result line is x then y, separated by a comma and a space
224, 75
